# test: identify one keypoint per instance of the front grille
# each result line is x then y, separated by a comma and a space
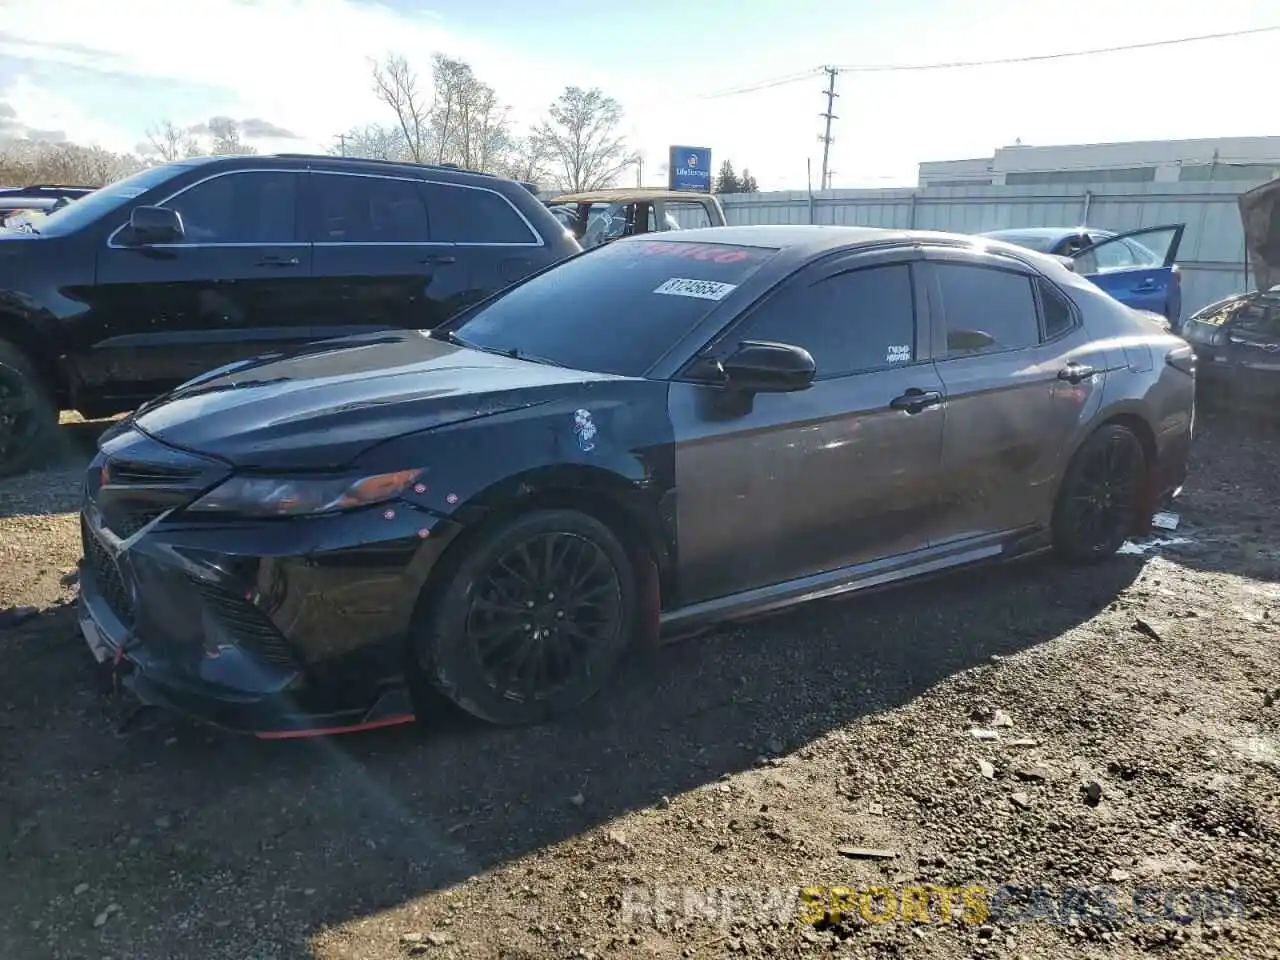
133, 473
250, 628
106, 573
125, 522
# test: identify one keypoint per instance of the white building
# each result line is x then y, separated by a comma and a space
1230, 158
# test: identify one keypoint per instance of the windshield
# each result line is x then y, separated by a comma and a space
1039, 242
615, 310
94, 206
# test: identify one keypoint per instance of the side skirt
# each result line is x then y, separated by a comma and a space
864, 576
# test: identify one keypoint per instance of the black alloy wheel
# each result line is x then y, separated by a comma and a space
534, 619
27, 419
1099, 497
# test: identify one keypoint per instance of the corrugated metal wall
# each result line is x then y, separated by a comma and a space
1211, 256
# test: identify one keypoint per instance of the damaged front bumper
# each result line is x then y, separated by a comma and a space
277, 629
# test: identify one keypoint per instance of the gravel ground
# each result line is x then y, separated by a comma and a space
1128, 741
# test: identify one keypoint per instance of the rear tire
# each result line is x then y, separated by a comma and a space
531, 621
1099, 497
28, 418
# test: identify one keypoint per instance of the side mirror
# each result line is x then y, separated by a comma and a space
760, 366
155, 225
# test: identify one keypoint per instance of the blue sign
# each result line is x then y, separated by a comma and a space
689, 168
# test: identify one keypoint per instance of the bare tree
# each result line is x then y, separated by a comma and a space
373, 141
396, 85
34, 161
227, 141
524, 159
170, 142
582, 141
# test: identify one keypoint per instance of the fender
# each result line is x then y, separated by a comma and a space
606, 447
29, 327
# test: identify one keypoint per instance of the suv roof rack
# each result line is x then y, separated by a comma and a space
57, 189
329, 158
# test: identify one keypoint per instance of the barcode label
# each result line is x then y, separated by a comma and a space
702, 289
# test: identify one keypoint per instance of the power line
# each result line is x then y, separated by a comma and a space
1036, 58
803, 75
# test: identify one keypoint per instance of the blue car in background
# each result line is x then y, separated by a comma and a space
1137, 268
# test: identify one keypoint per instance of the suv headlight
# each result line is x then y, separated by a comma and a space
300, 496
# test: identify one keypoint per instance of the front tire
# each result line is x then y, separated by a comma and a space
1099, 497
531, 621
28, 418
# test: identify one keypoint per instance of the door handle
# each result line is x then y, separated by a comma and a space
915, 400
439, 259
278, 262
1147, 284
1076, 373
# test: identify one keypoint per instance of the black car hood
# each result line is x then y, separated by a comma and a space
324, 405
1260, 216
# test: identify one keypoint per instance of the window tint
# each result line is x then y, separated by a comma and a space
469, 215
615, 310
239, 208
860, 320
1058, 318
987, 310
369, 210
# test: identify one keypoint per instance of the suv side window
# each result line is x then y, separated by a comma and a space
473, 215
688, 214
851, 322
249, 207
354, 209
987, 310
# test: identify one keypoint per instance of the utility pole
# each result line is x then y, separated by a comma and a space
826, 136
342, 143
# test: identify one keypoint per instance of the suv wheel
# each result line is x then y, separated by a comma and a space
532, 620
28, 419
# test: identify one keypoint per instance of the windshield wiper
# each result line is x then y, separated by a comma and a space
515, 354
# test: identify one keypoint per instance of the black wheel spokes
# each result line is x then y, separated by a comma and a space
1105, 497
541, 613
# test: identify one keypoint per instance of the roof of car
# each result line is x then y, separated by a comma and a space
623, 194
786, 236
1044, 233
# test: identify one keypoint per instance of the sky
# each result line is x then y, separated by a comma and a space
102, 71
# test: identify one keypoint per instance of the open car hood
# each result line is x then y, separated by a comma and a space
1260, 216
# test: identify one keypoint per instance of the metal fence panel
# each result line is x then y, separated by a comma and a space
1211, 256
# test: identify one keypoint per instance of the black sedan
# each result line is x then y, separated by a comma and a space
650, 438
1238, 339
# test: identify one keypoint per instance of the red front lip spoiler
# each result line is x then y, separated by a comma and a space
332, 731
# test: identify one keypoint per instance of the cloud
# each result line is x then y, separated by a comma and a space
13, 128
254, 128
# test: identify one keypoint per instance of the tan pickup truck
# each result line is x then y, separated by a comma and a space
603, 215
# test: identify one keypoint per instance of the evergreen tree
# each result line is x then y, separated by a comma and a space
727, 181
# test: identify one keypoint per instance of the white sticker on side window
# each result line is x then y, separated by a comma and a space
702, 289
899, 353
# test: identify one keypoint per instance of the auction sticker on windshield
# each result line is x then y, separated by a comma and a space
702, 289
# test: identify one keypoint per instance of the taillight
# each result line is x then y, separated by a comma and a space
1182, 358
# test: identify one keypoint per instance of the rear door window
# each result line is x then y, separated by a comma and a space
354, 209
987, 310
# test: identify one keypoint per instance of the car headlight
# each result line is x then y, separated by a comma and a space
300, 496
1204, 331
